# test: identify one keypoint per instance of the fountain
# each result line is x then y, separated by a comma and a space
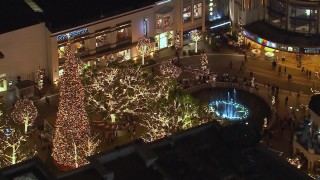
229, 109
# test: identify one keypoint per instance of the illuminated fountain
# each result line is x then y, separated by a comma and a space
229, 109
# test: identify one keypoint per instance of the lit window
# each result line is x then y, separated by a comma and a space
186, 14
197, 10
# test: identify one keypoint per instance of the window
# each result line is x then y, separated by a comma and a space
103, 39
159, 22
166, 21
122, 34
61, 52
197, 10
186, 14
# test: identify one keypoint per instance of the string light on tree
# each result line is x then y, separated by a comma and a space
144, 47
168, 68
195, 36
72, 131
40, 78
204, 64
12, 148
24, 112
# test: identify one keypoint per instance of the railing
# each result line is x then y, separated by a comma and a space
240, 86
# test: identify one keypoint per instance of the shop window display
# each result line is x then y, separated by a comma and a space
197, 10
80, 45
61, 52
187, 14
164, 40
122, 34
159, 22
102, 40
166, 21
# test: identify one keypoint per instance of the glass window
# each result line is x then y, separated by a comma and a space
61, 52
302, 19
159, 22
124, 55
197, 10
103, 39
187, 14
122, 34
166, 21
80, 45
276, 13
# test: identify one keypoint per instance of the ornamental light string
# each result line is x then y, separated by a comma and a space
196, 36
12, 148
72, 130
24, 112
40, 78
144, 47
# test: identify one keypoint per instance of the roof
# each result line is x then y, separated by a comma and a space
198, 153
16, 14
61, 14
277, 35
314, 104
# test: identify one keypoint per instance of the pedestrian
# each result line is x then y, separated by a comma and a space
309, 74
298, 95
245, 57
283, 58
286, 100
251, 74
285, 69
47, 100
240, 69
242, 63
268, 85
302, 69
279, 70
230, 64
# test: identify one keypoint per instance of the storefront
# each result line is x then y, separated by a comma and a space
164, 40
3, 83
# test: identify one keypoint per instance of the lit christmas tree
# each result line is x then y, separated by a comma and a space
144, 47
40, 78
72, 141
204, 64
24, 112
196, 36
12, 147
169, 69
3, 113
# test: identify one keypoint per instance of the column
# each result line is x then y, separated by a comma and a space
318, 19
288, 14
192, 10
203, 15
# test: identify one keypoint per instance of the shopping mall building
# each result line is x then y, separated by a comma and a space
100, 32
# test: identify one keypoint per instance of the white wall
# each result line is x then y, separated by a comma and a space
24, 50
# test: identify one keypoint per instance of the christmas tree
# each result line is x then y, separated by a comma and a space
24, 112
72, 142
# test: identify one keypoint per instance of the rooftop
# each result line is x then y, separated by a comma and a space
277, 35
198, 153
60, 14
16, 14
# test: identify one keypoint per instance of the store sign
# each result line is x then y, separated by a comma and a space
293, 49
266, 43
163, 2
311, 50
145, 27
248, 35
72, 34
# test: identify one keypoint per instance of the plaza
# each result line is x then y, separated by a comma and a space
130, 101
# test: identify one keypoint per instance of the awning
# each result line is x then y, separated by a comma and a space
164, 10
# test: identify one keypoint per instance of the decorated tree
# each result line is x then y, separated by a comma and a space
115, 91
177, 45
24, 112
72, 141
196, 36
40, 78
12, 147
169, 69
204, 64
3, 113
144, 47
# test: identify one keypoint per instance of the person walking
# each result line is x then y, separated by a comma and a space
285, 70
47, 100
286, 100
309, 74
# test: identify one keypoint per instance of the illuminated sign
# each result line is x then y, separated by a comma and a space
163, 2
248, 35
72, 34
222, 24
145, 27
267, 43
